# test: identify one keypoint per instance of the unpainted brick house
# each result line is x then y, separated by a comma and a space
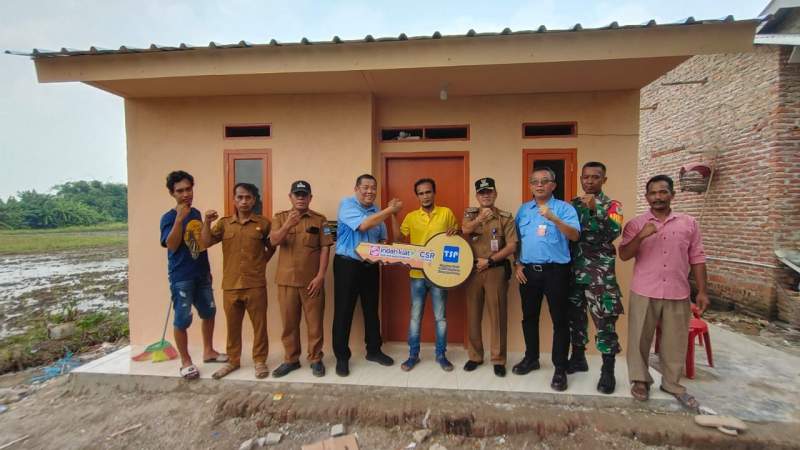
739, 114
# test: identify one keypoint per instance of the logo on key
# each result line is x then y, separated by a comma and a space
450, 254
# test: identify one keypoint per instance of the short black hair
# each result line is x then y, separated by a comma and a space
177, 176
365, 176
249, 187
595, 164
658, 178
423, 181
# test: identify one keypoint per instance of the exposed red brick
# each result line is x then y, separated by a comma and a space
746, 120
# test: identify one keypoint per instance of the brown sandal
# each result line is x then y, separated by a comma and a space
261, 370
639, 391
685, 399
224, 371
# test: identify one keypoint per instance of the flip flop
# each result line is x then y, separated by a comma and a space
220, 358
640, 392
685, 399
189, 372
261, 370
728, 422
224, 371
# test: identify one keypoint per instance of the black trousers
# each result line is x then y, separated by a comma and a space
353, 279
551, 281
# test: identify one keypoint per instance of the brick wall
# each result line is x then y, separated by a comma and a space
745, 119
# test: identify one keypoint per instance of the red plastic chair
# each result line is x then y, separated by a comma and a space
697, 328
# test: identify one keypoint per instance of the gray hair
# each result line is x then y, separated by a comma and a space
543, 169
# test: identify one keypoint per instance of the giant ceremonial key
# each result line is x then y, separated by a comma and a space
445, 260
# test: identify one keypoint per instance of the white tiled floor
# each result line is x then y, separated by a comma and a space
427, 374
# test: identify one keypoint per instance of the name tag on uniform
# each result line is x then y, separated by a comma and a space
541, 230
313, 230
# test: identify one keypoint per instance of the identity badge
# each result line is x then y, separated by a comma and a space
495, 245
541, 230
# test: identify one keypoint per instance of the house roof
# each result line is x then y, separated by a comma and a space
38, 53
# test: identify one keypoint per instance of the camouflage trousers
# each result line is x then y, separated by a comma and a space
605, 306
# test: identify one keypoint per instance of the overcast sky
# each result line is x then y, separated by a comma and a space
52, 133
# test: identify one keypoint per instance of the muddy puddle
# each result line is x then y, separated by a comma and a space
43, 284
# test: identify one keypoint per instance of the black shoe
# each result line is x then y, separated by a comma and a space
607, 382
284, 369
500, 370
577, 361
318, 369
559, 382
471, 365
380, 358
525, 366
342, 367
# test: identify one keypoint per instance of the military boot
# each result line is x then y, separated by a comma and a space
607, 381
577, 361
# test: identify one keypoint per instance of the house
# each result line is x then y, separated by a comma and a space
455, 108
738, 114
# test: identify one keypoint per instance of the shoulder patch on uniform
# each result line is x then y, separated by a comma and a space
326, 230
470, 211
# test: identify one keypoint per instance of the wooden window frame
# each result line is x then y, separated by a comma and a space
573, 124
229, 158
247, 138
569, 155
423, 128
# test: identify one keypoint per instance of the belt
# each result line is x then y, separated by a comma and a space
350, 258
545, 267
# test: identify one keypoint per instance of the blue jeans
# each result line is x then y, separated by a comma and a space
195, 292
419, 290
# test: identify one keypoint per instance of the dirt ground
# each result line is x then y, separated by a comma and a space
67, 413
775, 334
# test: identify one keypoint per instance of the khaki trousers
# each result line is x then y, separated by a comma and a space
253, 301
644, 314
490, 287
294, 302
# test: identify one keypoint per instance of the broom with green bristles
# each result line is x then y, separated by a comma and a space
161, 350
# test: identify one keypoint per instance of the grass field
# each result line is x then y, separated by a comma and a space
14, 242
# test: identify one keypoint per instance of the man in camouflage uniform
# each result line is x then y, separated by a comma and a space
595, 280
492, 234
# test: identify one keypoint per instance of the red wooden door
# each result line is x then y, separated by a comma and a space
562, 161
400, 170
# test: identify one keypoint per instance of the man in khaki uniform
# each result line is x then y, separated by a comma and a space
245, 252
305, 243
493, 237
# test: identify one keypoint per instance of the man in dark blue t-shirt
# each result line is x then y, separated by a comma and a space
189, 272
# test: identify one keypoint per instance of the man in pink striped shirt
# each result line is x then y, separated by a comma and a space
667, 247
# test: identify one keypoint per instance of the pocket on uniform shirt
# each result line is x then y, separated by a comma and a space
525, 227
551, 237
311, 239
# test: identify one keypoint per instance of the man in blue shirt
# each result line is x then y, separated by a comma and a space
545, 226
189, 272
359, 220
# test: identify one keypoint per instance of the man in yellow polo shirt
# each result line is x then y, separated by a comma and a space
419, 226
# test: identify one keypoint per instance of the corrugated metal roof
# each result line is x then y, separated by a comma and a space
43, 53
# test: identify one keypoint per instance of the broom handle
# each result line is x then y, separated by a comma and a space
169, 310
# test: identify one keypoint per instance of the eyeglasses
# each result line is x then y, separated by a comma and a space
424, 193
367, 188
541, 182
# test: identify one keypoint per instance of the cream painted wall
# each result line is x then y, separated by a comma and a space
329, 140
608, 132
325, 140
